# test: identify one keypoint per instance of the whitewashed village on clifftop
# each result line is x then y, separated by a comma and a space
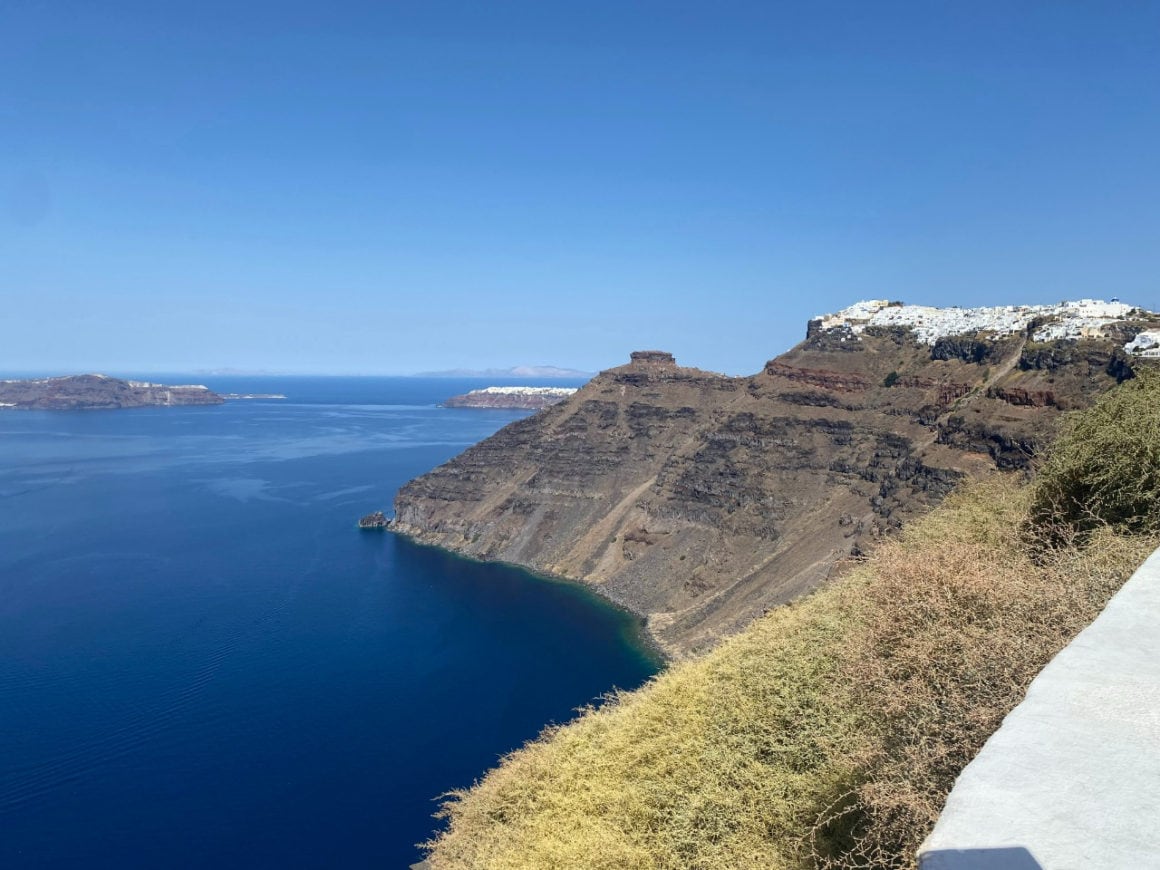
1083, 318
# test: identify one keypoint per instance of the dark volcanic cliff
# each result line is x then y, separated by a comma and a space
699, 500
84, 392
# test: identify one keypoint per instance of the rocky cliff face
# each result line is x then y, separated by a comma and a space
699, 500
83, 392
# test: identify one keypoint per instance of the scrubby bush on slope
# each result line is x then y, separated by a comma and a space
950, 624
1105, 466
825, 735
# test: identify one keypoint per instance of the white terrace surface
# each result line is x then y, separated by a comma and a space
1081, 318
524, 391
1072, 777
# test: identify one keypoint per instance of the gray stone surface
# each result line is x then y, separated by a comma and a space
1072, 777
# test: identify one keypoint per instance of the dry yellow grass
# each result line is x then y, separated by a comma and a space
716, 763
955, 620
829, 732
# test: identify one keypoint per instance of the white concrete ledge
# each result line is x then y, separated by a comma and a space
1072, 777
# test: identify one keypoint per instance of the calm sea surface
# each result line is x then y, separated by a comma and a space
204, 664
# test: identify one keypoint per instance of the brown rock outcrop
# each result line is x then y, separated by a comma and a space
653, 357
1028, 398
843, 382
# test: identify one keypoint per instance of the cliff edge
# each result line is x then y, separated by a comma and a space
700, 500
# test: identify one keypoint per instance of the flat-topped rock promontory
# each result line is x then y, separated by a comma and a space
700, 500
89, 392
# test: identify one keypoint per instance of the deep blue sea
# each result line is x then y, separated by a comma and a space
203, 663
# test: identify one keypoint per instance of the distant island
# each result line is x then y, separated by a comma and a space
521, 398
87, 392
253, 396
513, 372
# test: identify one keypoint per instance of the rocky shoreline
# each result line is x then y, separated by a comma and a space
648, 640
379, 521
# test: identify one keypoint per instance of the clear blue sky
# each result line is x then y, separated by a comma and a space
392, 187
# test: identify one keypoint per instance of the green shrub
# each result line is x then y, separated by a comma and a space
890, 380
1104, 468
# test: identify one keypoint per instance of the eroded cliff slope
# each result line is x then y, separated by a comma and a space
700, 500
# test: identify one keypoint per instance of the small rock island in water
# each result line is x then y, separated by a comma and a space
521, 398
376, 520
83, 392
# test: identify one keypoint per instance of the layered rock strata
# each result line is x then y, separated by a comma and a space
699, 500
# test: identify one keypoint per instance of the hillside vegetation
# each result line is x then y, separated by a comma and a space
1105, 466
830, 731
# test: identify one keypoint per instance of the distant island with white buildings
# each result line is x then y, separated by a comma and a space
519, 398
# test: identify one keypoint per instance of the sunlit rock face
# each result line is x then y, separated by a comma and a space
700, 500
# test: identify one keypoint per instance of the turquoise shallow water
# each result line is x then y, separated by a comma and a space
203, 662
